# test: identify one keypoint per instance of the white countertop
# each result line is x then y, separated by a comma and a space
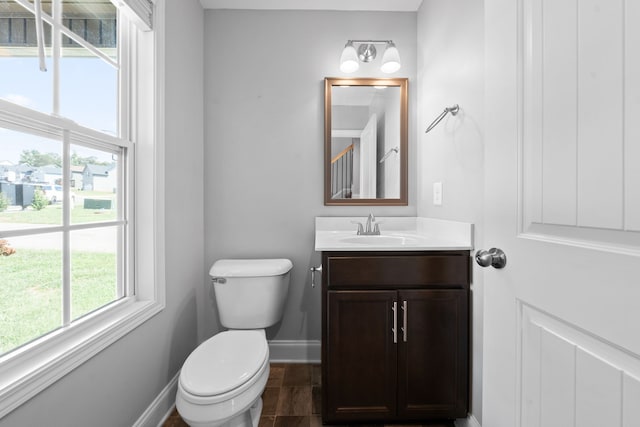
396, 234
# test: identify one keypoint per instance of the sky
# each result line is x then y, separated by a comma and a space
88, 95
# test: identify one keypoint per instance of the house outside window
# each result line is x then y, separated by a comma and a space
70, 133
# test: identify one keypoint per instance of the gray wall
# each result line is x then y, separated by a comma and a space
451, 71
263, 175
263, 154
117, 385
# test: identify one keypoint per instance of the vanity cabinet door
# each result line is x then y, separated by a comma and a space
361, 356
432, 355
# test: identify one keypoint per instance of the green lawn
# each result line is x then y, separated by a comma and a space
31, 279
31, 291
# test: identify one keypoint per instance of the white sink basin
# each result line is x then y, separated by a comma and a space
396, 234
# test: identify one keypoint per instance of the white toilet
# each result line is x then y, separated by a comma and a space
222, 380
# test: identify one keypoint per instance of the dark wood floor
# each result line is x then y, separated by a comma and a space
290, 399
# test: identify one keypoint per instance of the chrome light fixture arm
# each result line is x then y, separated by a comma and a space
370, 41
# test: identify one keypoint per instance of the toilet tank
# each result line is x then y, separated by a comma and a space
250, 293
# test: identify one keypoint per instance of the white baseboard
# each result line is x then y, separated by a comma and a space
289, 351
161, 407
471, 421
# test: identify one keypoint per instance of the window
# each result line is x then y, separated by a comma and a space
76, 144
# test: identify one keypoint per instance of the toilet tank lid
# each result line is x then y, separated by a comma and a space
250, 267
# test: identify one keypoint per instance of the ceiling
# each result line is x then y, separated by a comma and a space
369, 5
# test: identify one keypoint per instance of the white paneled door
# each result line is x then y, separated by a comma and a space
562, 141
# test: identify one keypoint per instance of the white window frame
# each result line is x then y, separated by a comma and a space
30, 369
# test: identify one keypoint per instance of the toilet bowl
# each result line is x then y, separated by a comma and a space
222, 380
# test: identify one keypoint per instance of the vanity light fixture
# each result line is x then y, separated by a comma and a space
366, 52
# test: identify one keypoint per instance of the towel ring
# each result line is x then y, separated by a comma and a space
453, 110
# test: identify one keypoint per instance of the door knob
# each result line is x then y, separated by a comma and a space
493, 257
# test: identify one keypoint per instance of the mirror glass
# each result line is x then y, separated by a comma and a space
366, 141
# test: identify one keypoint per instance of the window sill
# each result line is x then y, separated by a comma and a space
30, 369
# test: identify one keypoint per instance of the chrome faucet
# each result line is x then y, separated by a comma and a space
367, 230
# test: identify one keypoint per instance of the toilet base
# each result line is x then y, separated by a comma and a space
248, 418
255, 411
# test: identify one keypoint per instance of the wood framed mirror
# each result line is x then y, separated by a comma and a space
365, 141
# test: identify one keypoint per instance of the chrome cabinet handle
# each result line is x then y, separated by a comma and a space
404, 321
315, 270
493, 257
395, 322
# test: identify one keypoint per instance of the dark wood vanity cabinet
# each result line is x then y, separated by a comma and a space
395, 336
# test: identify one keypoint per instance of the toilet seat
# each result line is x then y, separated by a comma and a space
224, 366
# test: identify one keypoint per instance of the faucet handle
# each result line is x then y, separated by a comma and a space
376, 228
360, 227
